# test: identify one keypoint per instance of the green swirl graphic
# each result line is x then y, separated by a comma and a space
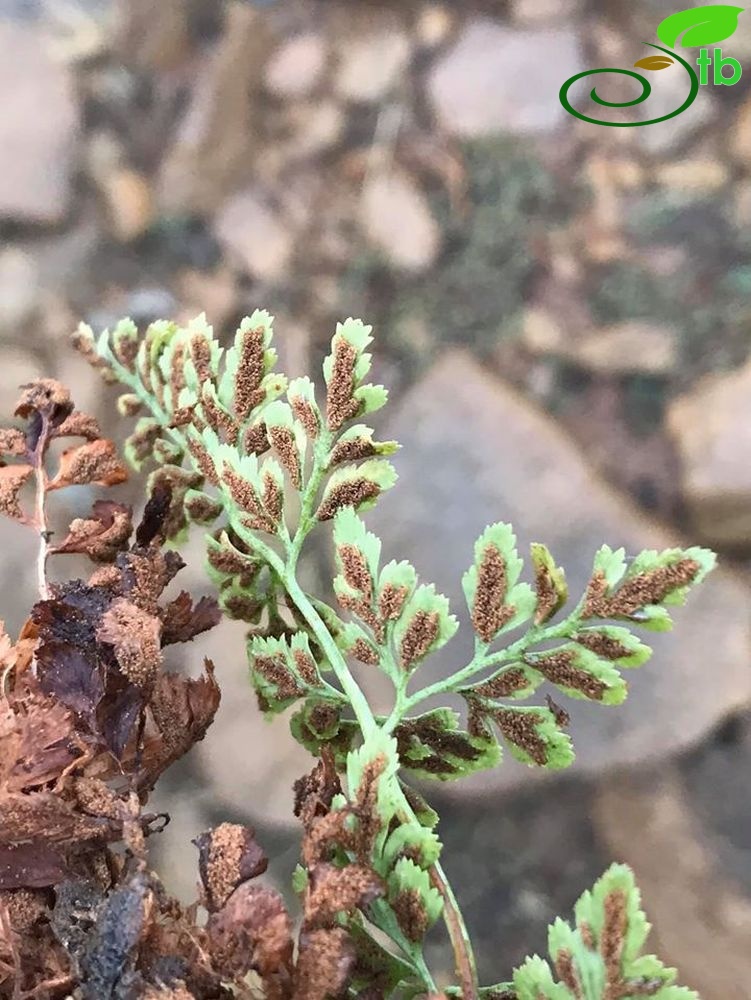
645, 92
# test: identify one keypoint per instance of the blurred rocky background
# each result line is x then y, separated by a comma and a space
563, 315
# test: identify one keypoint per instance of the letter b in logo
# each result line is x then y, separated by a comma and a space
719, 65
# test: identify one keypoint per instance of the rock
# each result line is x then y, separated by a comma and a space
217, 139
740, 136
18, 367
148, 303
626, 348
538, 854
254, 235
742, 203
669, 136
155, 37
610, 45
627, 174
699, 176
16, 578
541, 331
702, 919
62, 258
498, 79
104, 154
129, 201
433, 25
172, 853
299, 199
711, 427
247, 764
38, 129
19, 288
542, 12
396, 218
296, 67
619, 430
475, 452
265, 759
213, 292
371, 63
315, 128
606, 211
623, 348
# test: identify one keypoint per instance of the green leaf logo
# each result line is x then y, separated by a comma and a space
700, 25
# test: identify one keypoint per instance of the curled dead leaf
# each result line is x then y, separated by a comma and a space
135, 636
183, 620
154, 515
79, 424
100, 536
30, 865
252, 931
17, 656
12, 480
93, 462
334, 890
47, 818
654, 62
38, 742
47, 397
182, 708
12, 441
325, 963
228, 856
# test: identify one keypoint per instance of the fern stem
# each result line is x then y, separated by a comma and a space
40, 507
482, 660
464, 956
321, 454
286, 571
365, 718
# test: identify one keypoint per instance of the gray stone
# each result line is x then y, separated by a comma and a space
38, 128
497, 79
623, 348
248, 765
693, 895
218, 138
19, 288
544, 12
396, 217
740, 138
255, 236
631, 346
20, 549
371, 63
711, 426
433, 25
475, 452
18, 368
296, 67
315, 127
700, 176
148, 303
668, 93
